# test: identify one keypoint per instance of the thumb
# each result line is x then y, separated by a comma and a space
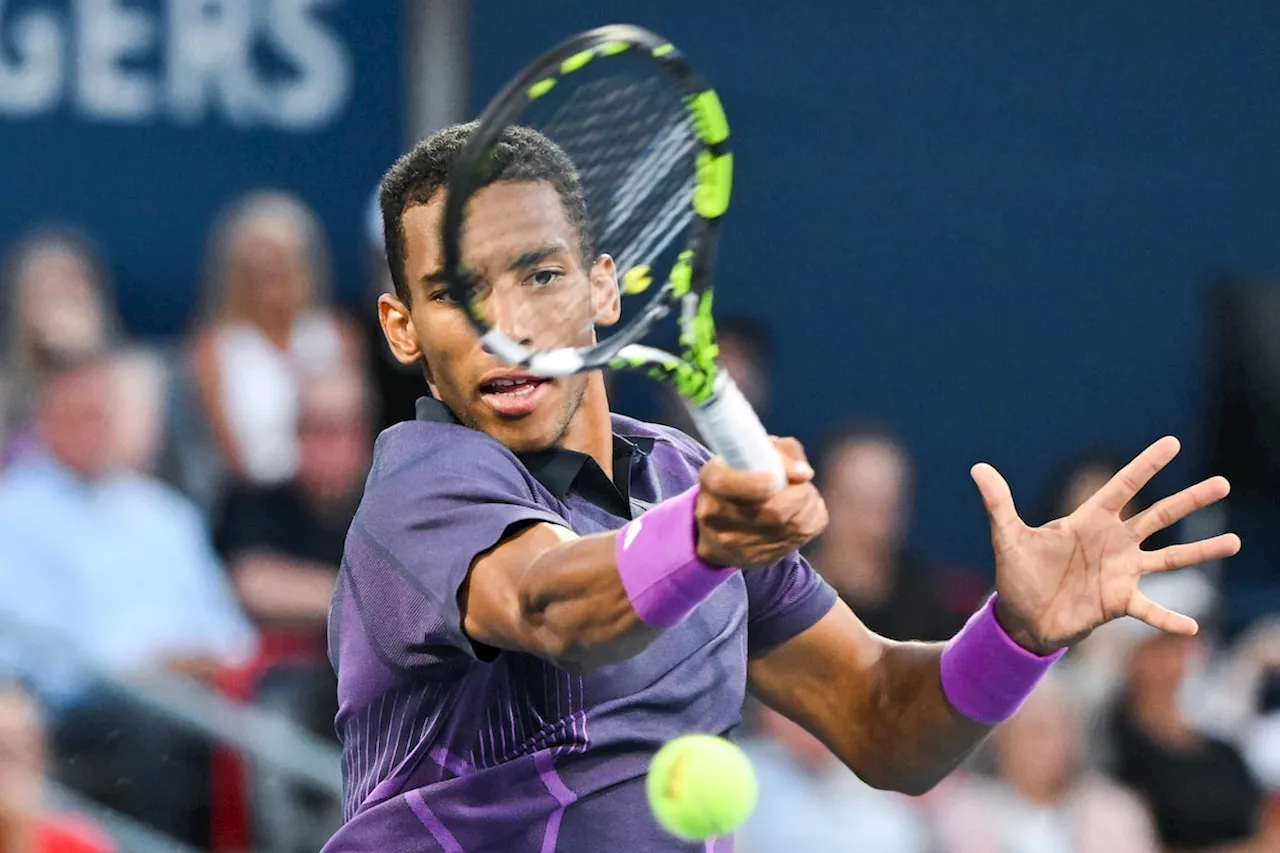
996, 497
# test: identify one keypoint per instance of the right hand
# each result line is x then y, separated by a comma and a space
743, 522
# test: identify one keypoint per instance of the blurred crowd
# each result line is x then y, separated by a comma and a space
178, 509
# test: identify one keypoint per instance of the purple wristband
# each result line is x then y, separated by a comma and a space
986, 675
658, 562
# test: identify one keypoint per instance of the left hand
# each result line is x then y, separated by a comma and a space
1057, 583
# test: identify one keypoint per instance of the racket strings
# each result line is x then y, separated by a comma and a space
629, 136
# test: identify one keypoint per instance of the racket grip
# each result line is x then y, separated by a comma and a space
733, 431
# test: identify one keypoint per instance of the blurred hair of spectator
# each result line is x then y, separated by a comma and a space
865, 474
810, 801
268, 324
283, 545
397, 386
27, 824
746, 354
57, 305
1199, 787
119, 568
1043, 799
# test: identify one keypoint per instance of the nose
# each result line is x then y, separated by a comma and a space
511, 313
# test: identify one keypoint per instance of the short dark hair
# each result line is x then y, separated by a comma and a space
522, 154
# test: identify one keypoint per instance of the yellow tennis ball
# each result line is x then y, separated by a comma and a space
701, 786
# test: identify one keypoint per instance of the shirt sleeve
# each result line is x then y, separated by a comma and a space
429, 511
783, 601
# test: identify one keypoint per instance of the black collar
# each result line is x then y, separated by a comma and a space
561, 471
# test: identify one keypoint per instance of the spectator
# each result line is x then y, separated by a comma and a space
267, 326
397, 386
26, 823
810, 801
118, 568
866, 477
58, 305
1043, 800
1198, 786
283, 545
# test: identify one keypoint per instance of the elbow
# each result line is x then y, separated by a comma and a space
576, 636
911, 786
553, 634
897, 777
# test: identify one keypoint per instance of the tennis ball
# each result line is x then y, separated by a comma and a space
701, 786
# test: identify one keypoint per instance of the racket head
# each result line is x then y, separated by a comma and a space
648, 145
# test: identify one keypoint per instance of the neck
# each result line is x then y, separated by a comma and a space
591, 430
1043, 792
18, 834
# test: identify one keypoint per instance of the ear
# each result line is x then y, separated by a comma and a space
397, 326
606, 298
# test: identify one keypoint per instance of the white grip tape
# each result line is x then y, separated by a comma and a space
733, 431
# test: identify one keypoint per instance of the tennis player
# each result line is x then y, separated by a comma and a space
537, 593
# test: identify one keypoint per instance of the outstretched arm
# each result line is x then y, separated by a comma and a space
889, 710
878, 705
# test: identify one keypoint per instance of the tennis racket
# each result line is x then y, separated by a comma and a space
649, 145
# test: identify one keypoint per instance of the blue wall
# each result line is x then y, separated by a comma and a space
988, 223
140, 125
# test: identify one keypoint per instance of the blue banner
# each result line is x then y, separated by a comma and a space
138, 121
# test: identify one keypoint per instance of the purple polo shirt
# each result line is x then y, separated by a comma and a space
452, 747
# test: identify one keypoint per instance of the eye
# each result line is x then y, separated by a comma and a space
442, 296
544, 278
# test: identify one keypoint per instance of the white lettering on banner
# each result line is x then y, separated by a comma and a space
324, 69
30, 81
249, 63
209, 41
108, 35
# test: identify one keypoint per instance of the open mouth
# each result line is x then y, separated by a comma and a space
515, 396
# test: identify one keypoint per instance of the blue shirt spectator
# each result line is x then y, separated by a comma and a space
116, 564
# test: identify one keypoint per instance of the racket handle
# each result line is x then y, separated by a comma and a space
733, 431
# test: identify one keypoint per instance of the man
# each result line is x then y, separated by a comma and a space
866, 478
513, 643
282, 545
119, 570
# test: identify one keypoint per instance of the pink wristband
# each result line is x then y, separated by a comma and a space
986, 675
658, 562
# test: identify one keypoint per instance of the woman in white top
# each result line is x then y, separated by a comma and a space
267, 326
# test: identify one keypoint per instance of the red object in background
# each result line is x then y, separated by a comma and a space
69, 834
231, 830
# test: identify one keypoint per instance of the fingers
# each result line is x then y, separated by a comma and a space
794, 459
718, 479
1181, 556
1130, 479
1174, 508
995, 496
1161, 618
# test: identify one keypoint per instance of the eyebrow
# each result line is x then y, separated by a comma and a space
533, 257
524, 260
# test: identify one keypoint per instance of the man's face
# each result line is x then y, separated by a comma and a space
519, 240
334, 438
866, 495
76, 420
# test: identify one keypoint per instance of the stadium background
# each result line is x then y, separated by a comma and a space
994, 227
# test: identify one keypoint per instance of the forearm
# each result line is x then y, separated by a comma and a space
583, 602
900, 715
575, 608
281, 589
905, 735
